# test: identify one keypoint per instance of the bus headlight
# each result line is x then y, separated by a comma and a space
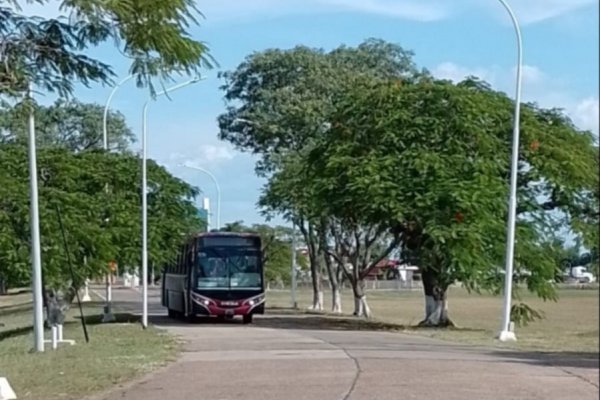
256, 300
203, 301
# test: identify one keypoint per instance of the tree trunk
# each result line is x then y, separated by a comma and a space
336, 301
361, 307
317, 300
3, 286
317, 304
436, 302
336, 296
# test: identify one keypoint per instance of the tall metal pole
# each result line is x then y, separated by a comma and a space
206, 206
506, 333
293, 271
106, 108
36, 258
214, 179
145, 200
108, 315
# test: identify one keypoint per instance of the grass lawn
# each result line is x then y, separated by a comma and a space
570, 325
116, 353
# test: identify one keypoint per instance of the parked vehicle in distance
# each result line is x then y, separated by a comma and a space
216, 274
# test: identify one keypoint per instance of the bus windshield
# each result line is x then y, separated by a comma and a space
228, 268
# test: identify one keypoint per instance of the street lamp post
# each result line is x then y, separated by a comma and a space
214, 179
506, 332
36, 259
106, 108
293, 272
108, 316
145, 200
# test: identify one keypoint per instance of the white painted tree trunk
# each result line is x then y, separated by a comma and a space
429, 305
317, 304
361, 307
436, 313
336, 304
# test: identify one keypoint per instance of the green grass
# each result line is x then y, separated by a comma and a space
570, 325
117, 352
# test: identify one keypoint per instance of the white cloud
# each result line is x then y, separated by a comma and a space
203, 156
585, 114
537, 87
531, 11
214, 153
531, 75
408, 9
243, 9
457, 73
527, 11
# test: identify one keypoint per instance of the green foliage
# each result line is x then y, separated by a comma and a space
50, 52
436, 154
46, 53
73, 125
358, 143
522, 314
279, 100
100, 226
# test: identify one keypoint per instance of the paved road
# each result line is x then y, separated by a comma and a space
276, 359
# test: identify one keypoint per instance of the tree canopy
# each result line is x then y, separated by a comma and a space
378, 152
71, 124
99, 226
50, 52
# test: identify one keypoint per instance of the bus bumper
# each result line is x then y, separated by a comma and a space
206, 306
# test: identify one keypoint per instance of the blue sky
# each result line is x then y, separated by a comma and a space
452, 39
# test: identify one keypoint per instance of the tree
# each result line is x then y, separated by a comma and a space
432, 164
74, 125
279, 106
99, 226
49, 53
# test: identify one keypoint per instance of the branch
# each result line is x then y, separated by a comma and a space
340, 263
265, 249
394, 243
369, 241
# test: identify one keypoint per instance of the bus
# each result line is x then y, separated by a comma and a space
216, 274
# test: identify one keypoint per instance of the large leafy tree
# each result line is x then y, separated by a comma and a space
279, 105
432, 163
99, 226
72, 124
50, 52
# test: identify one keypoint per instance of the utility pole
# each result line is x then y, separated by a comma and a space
36, 259
293, 272
506, 333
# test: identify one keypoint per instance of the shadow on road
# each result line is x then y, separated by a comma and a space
299, 320
564, 359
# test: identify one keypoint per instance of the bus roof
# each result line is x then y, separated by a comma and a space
225, 234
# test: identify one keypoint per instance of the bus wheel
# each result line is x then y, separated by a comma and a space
247, 319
